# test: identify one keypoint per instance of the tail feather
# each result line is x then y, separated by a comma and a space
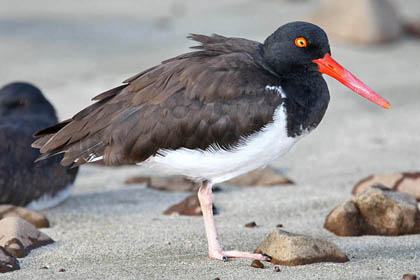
85, 150
81, 137
44, 135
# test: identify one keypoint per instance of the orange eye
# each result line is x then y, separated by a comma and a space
301, 42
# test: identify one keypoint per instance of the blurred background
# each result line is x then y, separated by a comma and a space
74, 50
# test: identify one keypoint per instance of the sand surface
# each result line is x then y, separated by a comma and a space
74, 50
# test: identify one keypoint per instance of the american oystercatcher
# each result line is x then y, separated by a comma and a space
229, 107
23, 111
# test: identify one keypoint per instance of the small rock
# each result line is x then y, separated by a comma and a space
408, 182
257, 264
413, 28
251, 224
188, 207
260, 177
291, 249
388, 212
345, 220
409, 277
7, 261
19, 237
376, 211
138, 180
173, 183
276, 268
36, 218
359, 21
170, 183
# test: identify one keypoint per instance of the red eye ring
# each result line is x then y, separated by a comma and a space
301, 42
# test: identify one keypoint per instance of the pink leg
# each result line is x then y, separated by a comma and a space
206, 198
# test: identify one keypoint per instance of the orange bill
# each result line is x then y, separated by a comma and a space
332, 68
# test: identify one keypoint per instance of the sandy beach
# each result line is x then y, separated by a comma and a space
109, 230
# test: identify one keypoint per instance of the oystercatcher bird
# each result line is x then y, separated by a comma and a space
23, 111
229, 107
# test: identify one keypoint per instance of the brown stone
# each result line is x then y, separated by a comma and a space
170, 183
376, 21
292, 249
137, 180
257, 264
173, 183
387, 212
345, 220
19, 237
413, 28
7, 261
188, 207
36, 218
408, 182
260, 177
377, 210
251, 224
409, 276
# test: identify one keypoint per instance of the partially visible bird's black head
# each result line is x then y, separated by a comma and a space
300, 48
293, 47
18, 99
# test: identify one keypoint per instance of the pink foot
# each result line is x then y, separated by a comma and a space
247, 255
224, 255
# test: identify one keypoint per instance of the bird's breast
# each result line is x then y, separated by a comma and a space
218, 165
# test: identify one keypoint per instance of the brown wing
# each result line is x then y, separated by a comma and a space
214, 96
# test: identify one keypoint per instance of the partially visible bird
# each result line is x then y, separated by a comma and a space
229, 107
24, 110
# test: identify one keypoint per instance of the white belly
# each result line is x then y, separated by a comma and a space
217, 165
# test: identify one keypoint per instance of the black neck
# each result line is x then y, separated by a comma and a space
306, 102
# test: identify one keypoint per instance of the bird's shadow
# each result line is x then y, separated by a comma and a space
118, 202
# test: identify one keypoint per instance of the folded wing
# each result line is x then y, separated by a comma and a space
207, 98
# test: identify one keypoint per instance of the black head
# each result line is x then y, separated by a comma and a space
17, 99
292, 47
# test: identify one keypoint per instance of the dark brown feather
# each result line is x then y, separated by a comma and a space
108, 93
214, 96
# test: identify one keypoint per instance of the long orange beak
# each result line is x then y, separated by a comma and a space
329, 66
